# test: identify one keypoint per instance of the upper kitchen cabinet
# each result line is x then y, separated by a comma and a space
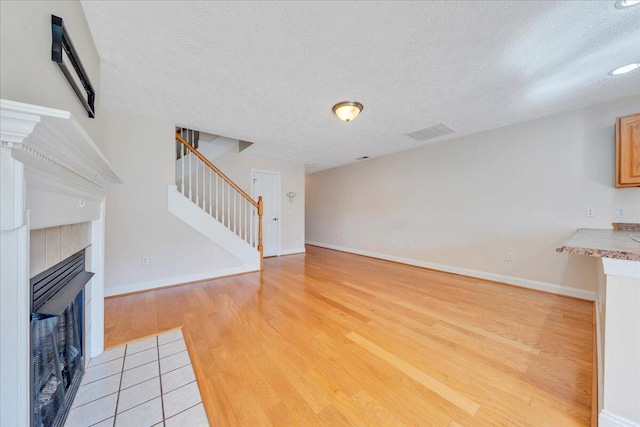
628, 151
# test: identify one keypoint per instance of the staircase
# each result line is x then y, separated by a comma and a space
212, 204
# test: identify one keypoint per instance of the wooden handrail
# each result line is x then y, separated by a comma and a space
216, 170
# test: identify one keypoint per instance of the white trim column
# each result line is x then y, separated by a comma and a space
621, 407
95, 346
14, 294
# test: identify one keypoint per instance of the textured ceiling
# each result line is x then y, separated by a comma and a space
269, 72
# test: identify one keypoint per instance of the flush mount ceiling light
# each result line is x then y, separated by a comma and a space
347, 110
624, 69
622, 4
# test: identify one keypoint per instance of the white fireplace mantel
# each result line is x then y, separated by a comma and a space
57, 152
51, 173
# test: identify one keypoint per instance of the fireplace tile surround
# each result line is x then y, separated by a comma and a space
48, 246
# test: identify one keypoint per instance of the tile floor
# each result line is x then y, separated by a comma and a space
148, 383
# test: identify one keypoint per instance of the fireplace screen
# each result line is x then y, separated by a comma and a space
57, 362
56, 340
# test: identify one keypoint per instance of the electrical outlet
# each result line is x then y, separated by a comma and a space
590, 212
145, 260
410, 244
510, 256
621, 212
393, 243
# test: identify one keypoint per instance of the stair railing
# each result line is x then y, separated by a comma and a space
205, 185
189, 135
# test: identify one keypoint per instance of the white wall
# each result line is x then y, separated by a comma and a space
28, 73
237, 166
138, 223
465, 203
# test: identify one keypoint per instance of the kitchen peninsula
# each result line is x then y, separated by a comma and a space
618, 321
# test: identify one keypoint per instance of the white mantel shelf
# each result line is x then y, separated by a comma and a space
57, 152
51, 173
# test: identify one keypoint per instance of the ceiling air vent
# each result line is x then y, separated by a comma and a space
431, 132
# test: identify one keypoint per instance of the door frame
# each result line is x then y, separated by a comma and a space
279, 207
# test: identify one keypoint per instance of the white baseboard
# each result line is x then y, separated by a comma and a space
607, 419
293, 251
137, 287
516, 281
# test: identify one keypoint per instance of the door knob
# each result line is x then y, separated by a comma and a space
275, 219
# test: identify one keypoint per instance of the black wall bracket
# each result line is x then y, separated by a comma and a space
62, 51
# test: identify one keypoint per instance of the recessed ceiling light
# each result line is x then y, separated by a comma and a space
347, 110
624, 69
622, 4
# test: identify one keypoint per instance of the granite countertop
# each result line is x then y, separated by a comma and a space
603, 243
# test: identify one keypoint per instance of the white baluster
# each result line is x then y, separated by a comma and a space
216, 194
222, 200
210, 193
204, 186
243, 213
251, 225
203, 200
197, 180
182, 149
239, 205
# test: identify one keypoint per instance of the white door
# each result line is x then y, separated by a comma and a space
267, 185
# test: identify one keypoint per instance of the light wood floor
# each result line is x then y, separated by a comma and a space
337, 339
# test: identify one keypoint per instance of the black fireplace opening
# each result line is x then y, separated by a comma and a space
57, 333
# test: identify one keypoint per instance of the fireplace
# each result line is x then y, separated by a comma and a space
57, 353
53, 176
